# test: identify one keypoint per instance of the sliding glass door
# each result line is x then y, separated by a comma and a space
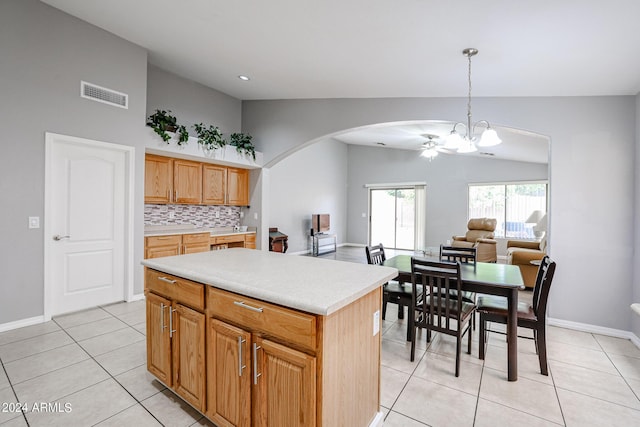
393, 217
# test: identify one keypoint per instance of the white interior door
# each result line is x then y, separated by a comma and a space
85, 223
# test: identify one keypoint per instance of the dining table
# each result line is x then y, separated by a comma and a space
485, 278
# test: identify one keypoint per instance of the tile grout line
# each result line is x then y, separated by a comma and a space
13, 390
138, 402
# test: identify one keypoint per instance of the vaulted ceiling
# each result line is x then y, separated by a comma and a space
295, 49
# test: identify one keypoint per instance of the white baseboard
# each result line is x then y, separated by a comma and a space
378, 420
21, 323
136, 297
601, 330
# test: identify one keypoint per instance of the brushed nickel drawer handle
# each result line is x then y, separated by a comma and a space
164, 279
256, 347
171, 330
242, 304
162, 325
240, 365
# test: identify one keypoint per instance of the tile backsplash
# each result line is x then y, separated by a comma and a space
201, 216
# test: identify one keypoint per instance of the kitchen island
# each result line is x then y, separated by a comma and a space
261, 338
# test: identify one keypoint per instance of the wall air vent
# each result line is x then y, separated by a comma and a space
104, 95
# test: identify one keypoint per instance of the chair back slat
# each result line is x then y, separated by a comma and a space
437, 279
375, 254
454, 253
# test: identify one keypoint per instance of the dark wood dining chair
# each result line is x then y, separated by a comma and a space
465, 256
453, 253
393, 291
436, 309
530, 316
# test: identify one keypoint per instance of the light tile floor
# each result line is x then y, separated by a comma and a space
94, 363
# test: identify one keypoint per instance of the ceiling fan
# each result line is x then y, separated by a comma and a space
431, 147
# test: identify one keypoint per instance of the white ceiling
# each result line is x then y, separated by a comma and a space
517, 144
383, 48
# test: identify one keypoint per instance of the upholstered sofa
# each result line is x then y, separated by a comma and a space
521, 253
480, 235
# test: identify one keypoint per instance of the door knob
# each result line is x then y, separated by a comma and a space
58, 237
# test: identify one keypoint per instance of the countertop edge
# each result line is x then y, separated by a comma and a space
195, 231
219, 282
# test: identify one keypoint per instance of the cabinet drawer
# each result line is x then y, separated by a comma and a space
230, 239
175, 288
190, 239
290, 326
250, 238
154, 241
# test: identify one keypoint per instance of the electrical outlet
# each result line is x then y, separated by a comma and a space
364, 215
241, 214
172, 214
255, 215
217, 214
34, 222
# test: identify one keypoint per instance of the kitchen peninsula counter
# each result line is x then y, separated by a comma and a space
313, 285
284, 337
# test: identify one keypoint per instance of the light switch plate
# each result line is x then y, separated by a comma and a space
255, 215
376, 322
34, 222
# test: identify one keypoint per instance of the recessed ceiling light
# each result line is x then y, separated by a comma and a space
243, 78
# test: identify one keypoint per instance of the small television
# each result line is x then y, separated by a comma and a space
320, 223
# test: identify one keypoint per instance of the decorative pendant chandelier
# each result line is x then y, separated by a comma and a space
467, 143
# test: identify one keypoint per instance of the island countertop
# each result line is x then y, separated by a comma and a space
314, 285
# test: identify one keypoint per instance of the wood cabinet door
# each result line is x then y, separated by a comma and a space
228, 374
238, 187
189, 355
285, 393
187, 182
214, 184
158, 339
158, 179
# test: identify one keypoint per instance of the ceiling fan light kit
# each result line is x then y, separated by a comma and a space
468, 143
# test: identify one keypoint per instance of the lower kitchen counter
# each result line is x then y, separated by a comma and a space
311, 358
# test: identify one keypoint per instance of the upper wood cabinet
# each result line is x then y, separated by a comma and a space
214, 188
158, 179
169, 180
187, 182
238, 187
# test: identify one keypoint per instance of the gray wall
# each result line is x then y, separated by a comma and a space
447, 178
313, 180
591, 176
45, 54
192, 102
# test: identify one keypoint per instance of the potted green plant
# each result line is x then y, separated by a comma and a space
162, 121
242, 142
210, 138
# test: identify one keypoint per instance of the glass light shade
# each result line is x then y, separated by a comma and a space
429, 153
467, 147
453, 141
489, 138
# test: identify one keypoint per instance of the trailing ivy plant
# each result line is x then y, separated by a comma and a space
210, 138
162, 121
242, 142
